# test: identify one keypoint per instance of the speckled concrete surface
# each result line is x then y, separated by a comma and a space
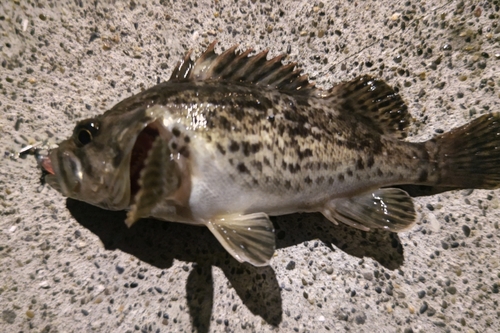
69, 267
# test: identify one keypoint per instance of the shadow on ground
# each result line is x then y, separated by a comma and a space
159, 243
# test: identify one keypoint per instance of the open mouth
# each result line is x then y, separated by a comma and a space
139, 154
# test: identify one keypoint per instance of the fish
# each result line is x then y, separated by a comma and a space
233, 138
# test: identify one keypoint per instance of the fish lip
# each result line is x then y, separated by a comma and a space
46, 165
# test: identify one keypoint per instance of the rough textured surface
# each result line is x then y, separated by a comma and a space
68, 267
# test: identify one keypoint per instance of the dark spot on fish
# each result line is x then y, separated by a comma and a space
209, 138
349, 172
341, 177
184, 151
283, 165
230, 161
331, 180
259, 104
370, 161
303, 154
379, 172
173, 145
271, 118
266, 161
257, 165
281, 129
308, 180
256, 147
360, 165
288, 185
225, 123
255, 181
221, 149
242, 168
320, 180
300, 131
246, 148
176, 132
187, 139
293, 168
234, 146
423, 176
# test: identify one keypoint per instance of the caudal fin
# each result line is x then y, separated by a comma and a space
469, 156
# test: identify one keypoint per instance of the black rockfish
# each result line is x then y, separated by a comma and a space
230, 139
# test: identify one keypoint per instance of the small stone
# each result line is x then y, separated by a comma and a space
290, 265
421, 294
30, 314
329, 270
360, 319
8, 316
119, 269
368, 276
431, 312
452, 290
466, 230
44, 285
423, 308
85, 312
80, 245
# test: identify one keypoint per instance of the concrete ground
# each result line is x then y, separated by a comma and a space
68, 267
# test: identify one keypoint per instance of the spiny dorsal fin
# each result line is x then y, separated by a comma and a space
372, 99
235, 66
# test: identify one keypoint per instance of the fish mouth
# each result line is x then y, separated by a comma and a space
139, 154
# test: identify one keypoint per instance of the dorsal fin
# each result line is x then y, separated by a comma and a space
232, 65
372, 99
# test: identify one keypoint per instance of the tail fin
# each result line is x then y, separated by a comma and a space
469, 156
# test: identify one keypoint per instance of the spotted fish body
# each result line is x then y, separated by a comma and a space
232, 138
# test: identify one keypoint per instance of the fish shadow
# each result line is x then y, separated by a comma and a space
158, 243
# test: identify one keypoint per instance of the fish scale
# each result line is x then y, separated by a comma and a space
230, 139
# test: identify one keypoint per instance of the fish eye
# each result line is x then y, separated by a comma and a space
84, 136
85, 132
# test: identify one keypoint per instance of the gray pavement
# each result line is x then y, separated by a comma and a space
69, 267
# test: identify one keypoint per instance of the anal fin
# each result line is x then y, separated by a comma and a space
386, 208
248, 238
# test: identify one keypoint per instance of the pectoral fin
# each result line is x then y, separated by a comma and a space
387, 208
247, 238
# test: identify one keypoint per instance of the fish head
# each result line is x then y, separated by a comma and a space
101, 162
